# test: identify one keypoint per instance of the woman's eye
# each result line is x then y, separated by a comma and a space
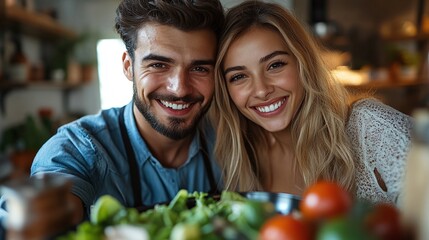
276, 65
236, 77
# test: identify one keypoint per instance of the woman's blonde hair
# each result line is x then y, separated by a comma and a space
322, 150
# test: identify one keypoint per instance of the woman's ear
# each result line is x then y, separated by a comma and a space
127, 66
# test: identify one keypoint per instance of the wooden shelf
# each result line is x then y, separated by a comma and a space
389, 84
43, 27
37, 24
43, 85
6, 87
418, 37
405, 96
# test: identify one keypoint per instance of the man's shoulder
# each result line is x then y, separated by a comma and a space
105, 119
85, 132
81, 140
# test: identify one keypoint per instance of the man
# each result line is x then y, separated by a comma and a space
143, 153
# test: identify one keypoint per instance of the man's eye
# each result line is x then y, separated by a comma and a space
158, 65
276, 65
200, 69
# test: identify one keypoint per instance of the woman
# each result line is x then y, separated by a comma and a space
283, 122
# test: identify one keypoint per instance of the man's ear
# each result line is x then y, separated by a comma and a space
127, 66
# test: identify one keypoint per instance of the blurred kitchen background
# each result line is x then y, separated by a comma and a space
61, 59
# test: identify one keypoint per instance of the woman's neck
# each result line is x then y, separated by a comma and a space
279, 166
282, 139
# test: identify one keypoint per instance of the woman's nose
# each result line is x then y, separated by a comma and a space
263, 88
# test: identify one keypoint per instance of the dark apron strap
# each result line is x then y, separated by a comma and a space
132, 163
213, 186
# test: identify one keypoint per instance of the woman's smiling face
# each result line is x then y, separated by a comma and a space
262, 78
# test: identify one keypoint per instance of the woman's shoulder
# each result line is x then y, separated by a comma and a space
375, 112
380, 136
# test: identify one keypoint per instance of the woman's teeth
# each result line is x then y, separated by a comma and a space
271, 107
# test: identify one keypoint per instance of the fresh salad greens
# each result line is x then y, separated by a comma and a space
230, 217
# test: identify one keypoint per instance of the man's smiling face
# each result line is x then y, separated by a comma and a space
173, 77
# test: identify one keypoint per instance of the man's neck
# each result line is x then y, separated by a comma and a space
169, 152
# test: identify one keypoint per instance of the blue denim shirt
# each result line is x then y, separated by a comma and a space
91, 153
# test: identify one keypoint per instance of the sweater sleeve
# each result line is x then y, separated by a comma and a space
380, 136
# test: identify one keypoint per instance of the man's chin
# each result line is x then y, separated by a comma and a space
177, 134
170, 126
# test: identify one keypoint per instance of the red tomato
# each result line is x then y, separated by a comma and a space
384, 221
284, 227
324, 200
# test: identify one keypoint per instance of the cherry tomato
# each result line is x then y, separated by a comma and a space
284, 227
384, 222
324, 200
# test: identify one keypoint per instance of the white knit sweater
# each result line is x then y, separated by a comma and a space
381, 137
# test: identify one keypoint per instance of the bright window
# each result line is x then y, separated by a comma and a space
115, 89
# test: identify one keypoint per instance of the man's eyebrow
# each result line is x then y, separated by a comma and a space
170, 60
157, 58
271, 55
203, 62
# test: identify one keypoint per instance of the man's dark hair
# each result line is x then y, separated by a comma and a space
185, 15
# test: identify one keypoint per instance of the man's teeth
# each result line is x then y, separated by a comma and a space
271, 107
175, 106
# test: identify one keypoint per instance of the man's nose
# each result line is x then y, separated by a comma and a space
178, 83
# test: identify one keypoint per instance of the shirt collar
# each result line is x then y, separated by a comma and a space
139, 145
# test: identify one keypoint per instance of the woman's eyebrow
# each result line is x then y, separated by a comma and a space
271, 55
235, 68
263, 59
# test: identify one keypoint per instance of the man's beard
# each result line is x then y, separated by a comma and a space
175, 129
